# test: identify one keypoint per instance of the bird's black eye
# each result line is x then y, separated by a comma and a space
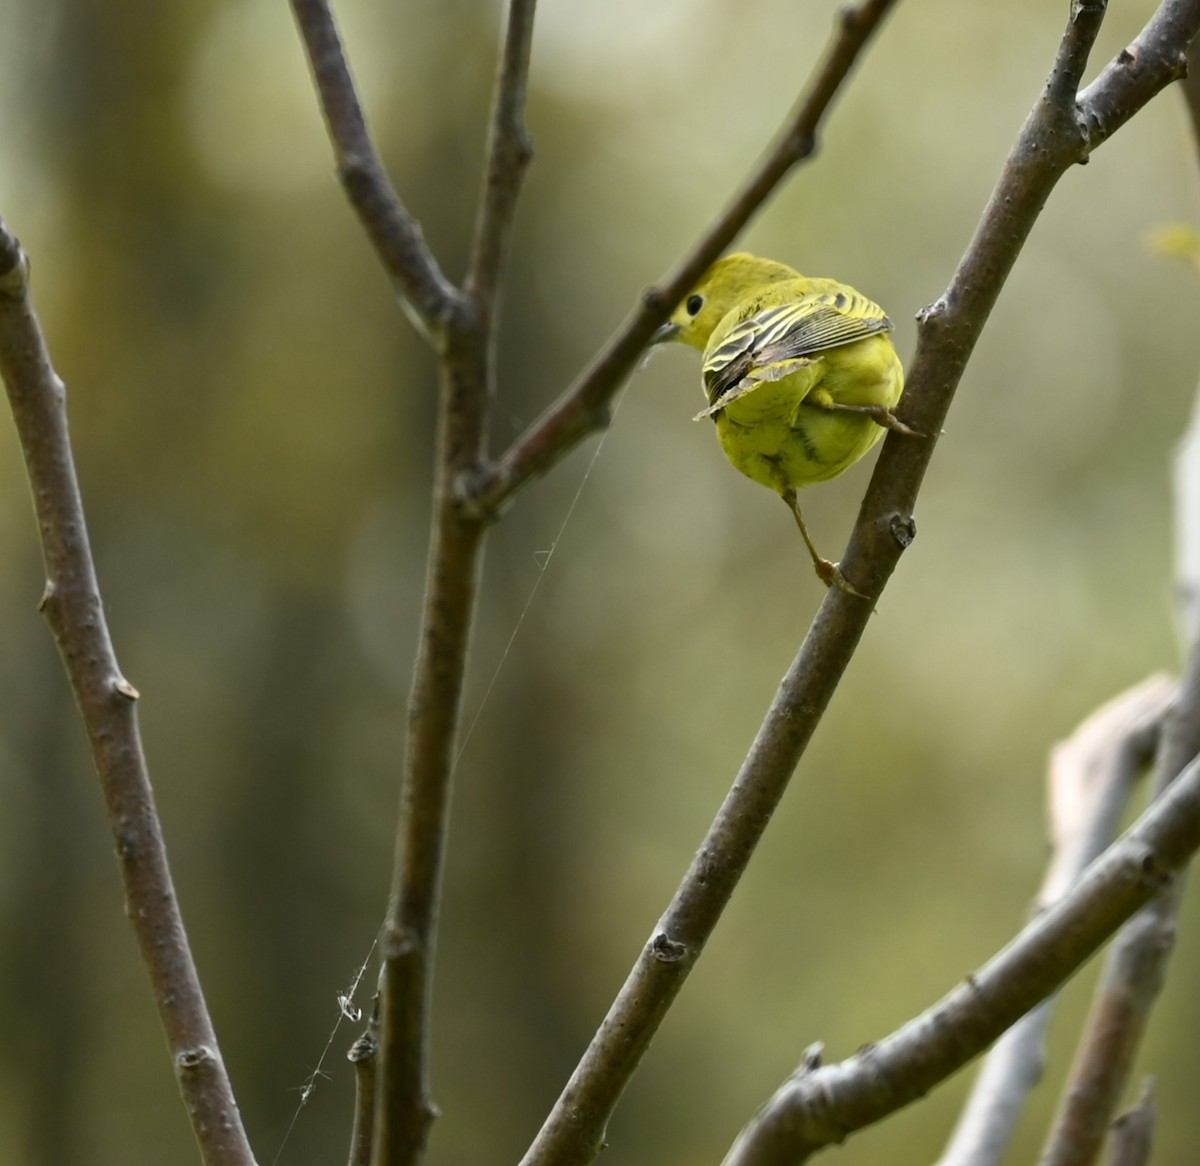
694, 304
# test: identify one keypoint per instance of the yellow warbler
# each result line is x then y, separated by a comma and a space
800, 374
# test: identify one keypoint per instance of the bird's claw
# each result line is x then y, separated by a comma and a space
889, 420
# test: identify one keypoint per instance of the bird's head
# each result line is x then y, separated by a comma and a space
726, 283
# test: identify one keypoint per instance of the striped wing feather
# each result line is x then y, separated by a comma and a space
775, 341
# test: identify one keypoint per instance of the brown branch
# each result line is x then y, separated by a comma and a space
394, 233
821, 1105
584, 406
1058, 134
1091, 776
1054, 138
405, 1109
108, 705
460, 326
509, 153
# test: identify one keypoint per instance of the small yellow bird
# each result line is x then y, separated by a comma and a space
800, 374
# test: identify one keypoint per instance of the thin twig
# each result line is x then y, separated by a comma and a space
584, 406
108, 705
405, 1109
574, 1132
1091, 776
509, 153
395, 234
820, 1106
460, 327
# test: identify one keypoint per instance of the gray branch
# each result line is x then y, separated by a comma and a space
821, 1105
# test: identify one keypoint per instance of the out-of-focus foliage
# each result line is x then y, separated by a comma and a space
253, 422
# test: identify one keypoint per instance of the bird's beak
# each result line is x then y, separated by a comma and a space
667, 332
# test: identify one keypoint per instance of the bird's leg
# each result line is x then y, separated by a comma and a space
829, 573
880, 414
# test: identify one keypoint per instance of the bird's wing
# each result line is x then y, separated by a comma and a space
774, 342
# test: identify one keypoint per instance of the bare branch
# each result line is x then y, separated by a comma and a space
584, 407
393, 232
509, 153
573, 1133
1073, 52
1091, 776
820, 1106
108, 705
1057, 135
405, 1109
1157, 57
460, 328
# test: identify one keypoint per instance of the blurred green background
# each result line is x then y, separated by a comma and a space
252, 419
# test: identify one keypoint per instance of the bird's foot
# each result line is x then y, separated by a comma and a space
881, 415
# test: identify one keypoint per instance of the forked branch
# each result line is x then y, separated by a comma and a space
822, 1104
1061, 131
1136, 966
1091, 777
459, 324
584, 406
